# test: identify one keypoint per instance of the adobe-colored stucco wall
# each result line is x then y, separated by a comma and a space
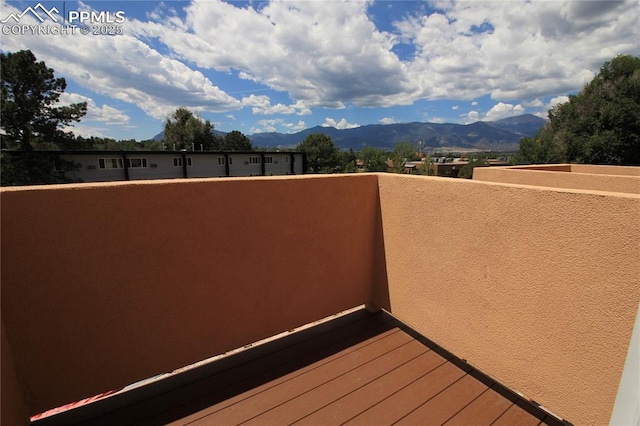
107, 284
536, 287
13, 410
606, 170
585, 179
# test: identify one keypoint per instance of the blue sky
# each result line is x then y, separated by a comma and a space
289, 65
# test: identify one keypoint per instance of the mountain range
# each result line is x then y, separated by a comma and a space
499, 135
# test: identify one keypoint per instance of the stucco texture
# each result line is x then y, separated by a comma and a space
537, 287
107, 284
586, 179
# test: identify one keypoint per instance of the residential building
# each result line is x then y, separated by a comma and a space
101, 166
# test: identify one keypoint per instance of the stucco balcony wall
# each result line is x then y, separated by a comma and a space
107, 284
538, 287
597, 178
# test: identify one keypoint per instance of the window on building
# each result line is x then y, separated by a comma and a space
177, 161
221, 161
137, 162
286, 159
268, 160
254, 160
230, 160
57, 166
110, 163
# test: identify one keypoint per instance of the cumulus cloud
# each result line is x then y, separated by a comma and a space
322, 53
331, 54
105, 113
455, 107
261, 104
557, 100
295, 127
472, 117
502, 110
124, 68
528, 50
342, 124
388, 120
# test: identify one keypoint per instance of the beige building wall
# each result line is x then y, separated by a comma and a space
107, 284
538, 288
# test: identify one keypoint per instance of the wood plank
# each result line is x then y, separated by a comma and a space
516, 416
250, 404
374, 392
483, 410
398, 405
306, 403
251, 368
446, 404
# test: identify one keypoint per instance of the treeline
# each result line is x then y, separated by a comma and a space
599, 125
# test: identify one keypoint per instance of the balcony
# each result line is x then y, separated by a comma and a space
521, 286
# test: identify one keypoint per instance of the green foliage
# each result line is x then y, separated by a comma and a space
466, 171
30, 120
184, 130
236, 141
29, 93
600, 125
33, 168
402, 152
348, 161
322, 154
374, 159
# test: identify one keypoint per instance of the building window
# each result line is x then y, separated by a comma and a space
286, 159
137, 162
110, 163
254, 160
221, 161
177, 161
268, 160
57, 166
230, 160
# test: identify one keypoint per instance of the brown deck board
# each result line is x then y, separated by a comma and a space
303, 404
253, 403
484, 410
371, 394
409, 398
360, 368
516, 416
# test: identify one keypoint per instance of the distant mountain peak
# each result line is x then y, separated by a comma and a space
498, 135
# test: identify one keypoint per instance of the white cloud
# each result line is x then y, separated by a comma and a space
342, 124
502, 110
105, 113
455, 107
124, 68
530, 49
331, 54
388, 120
295, 127
557, 100
472, 117
261, 104
322, 53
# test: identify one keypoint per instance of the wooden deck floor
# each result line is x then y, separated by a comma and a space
358, 369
